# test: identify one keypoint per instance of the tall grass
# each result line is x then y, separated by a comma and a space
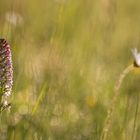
66, 57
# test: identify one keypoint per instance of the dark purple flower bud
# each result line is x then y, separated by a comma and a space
6, 72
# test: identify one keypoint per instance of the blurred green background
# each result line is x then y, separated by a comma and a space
67, 56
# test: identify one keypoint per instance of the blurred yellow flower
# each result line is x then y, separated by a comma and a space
137, 71
90, 101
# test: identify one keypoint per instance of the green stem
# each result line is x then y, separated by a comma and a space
39, 98
135, 119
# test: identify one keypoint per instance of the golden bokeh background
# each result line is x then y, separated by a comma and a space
67, 56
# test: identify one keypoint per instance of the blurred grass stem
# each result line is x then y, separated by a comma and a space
135, 119
42, 92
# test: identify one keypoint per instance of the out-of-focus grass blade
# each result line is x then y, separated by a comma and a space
42, 92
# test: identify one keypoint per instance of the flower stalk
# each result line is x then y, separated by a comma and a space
108, 120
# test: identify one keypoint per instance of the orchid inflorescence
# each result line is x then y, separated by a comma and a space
6, 74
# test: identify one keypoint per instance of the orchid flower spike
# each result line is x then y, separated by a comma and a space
136, 56
6, 73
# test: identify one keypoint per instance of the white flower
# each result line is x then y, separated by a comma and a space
14, 18
136, 56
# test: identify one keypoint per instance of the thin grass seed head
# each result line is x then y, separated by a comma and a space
136, 56
6, 72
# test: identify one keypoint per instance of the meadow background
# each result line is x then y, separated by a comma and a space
67, 56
